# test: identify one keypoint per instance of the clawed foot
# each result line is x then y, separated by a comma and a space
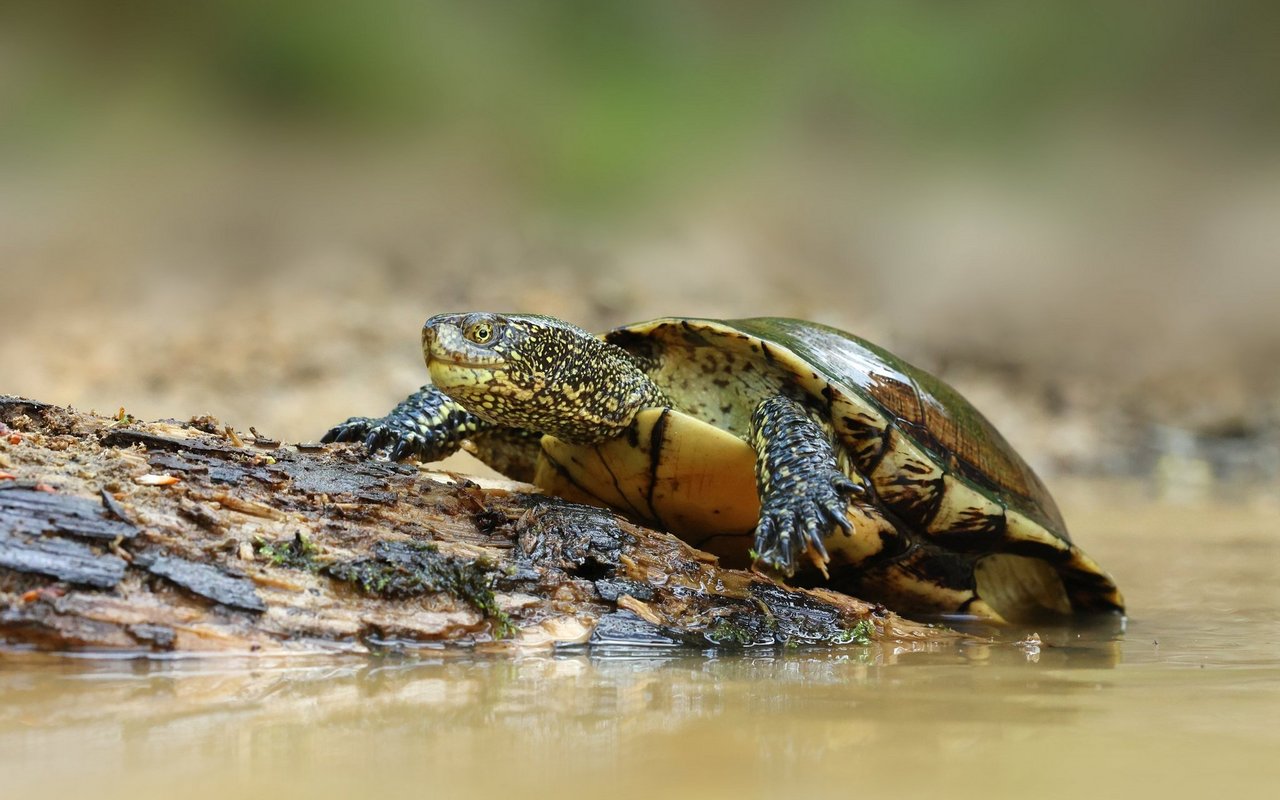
427, 424
395, 436
795, 523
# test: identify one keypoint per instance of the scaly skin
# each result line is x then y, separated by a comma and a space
427, 424
803, 494
530, 375
537, 373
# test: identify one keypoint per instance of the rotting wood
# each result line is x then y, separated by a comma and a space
322, 550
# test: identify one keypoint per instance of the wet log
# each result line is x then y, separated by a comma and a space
171, 536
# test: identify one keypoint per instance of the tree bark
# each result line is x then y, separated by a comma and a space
120, 535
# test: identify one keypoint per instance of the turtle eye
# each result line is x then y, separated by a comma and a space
480, 331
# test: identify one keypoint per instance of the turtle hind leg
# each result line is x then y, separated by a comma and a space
804, 496
924, 581
427, 424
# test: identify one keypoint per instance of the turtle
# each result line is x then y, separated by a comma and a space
787, 445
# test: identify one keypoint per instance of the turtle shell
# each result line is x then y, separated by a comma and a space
967, 509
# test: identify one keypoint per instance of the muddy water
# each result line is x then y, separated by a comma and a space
1184, 703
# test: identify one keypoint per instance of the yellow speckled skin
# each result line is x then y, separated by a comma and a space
800, 441
536, 373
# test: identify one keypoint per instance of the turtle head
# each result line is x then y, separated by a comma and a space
538, 373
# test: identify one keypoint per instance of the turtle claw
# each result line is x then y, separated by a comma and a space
795, 524
427, 425
387, 436
377, 437
844, 484
405, 447
353, 430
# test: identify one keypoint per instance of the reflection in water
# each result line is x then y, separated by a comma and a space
464, 713
496, 724
1183, 703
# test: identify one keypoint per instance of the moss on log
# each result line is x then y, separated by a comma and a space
172, 536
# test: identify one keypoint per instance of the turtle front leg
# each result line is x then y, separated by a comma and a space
428, 424
804, 496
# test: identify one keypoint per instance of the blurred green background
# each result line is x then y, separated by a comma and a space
1068, 210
